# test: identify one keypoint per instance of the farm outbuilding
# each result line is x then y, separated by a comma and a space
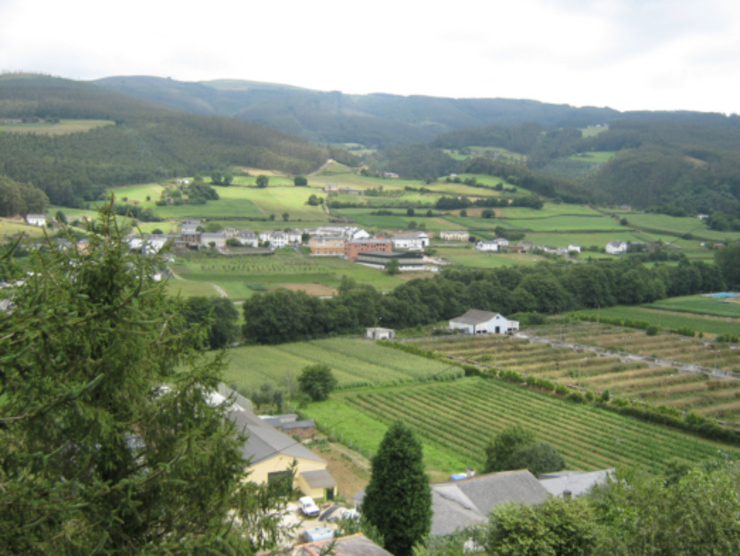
380, 333
484, 322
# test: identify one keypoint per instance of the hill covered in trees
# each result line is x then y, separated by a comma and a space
147, 142
373, 120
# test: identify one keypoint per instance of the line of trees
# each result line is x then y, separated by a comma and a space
548, 288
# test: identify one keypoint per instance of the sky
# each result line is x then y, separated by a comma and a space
625, 54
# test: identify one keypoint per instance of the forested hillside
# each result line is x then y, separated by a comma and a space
147, 143
375, 120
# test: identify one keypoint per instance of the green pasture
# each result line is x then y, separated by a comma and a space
63, 127
561, 224
593, 131
459, 418
548, 210
138, 193
236, 273
599, 239
679, 226
397, 221
11, 227
354, 362
699, 304
598, 157
362, 432
671, 320
188, 288
480, 259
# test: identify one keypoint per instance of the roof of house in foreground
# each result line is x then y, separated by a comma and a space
353, 545
458, 504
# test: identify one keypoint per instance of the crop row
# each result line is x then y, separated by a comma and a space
463, 415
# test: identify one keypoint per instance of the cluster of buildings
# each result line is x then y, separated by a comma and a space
503, 244
347, 242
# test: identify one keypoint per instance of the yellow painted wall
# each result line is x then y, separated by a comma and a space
260, 471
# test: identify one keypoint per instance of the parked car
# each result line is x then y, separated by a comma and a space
308, 506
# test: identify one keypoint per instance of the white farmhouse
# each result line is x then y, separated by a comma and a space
484, 322
487, 245
248, 238
573, 247
616, 247
416, 241
36, 219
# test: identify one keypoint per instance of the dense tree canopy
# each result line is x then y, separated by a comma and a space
104, 447
317, 381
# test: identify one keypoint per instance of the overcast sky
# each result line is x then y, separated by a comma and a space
626, 54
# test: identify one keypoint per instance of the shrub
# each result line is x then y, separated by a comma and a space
651, 330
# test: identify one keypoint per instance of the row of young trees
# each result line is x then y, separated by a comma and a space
548, 288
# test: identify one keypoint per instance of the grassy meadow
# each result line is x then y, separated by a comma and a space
63, 127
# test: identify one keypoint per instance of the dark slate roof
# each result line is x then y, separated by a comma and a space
355, 545
459, 504
265, 441
577, 483
475, 317
320, 478
390, 255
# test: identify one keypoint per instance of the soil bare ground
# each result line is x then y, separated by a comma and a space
350, 470
311, 289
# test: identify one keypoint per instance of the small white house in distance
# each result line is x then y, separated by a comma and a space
454, 235
616, 247
487, 245
576, 248
380, 333
484, 322
36, 219
416, 241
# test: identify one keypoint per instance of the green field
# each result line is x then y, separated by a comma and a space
479, 259
671, 320
678, 226
596, 157
10, 227
641, 380
461, 416
699, 304
354, 362
63, 127
236, 273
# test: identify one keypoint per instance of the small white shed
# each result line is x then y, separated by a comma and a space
380, 333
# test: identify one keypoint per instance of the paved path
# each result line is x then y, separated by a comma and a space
220, 290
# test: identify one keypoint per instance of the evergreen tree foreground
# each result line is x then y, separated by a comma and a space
104, 447
398, 500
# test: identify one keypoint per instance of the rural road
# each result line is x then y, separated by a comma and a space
220, 290
322, 167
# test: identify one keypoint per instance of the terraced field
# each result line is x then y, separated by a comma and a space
355, 363
647, 380
461, 416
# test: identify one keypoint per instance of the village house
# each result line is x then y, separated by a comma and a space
36, 219
248, 238
290, 424
327, 246
616, 247
331, 188
454, 235
415, 241
526, 246
484, 322
278, 238
460, 504
271, 453
488, 245
354, 247
573, 247
149, 244
217, 239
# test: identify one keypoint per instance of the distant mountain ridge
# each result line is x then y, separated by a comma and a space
149, 142
374, 120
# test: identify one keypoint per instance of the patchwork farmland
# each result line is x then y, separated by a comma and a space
461, 416
631, 377
355, 363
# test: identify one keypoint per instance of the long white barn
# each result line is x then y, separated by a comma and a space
484, 322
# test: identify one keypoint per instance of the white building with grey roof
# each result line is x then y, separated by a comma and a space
484, 322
